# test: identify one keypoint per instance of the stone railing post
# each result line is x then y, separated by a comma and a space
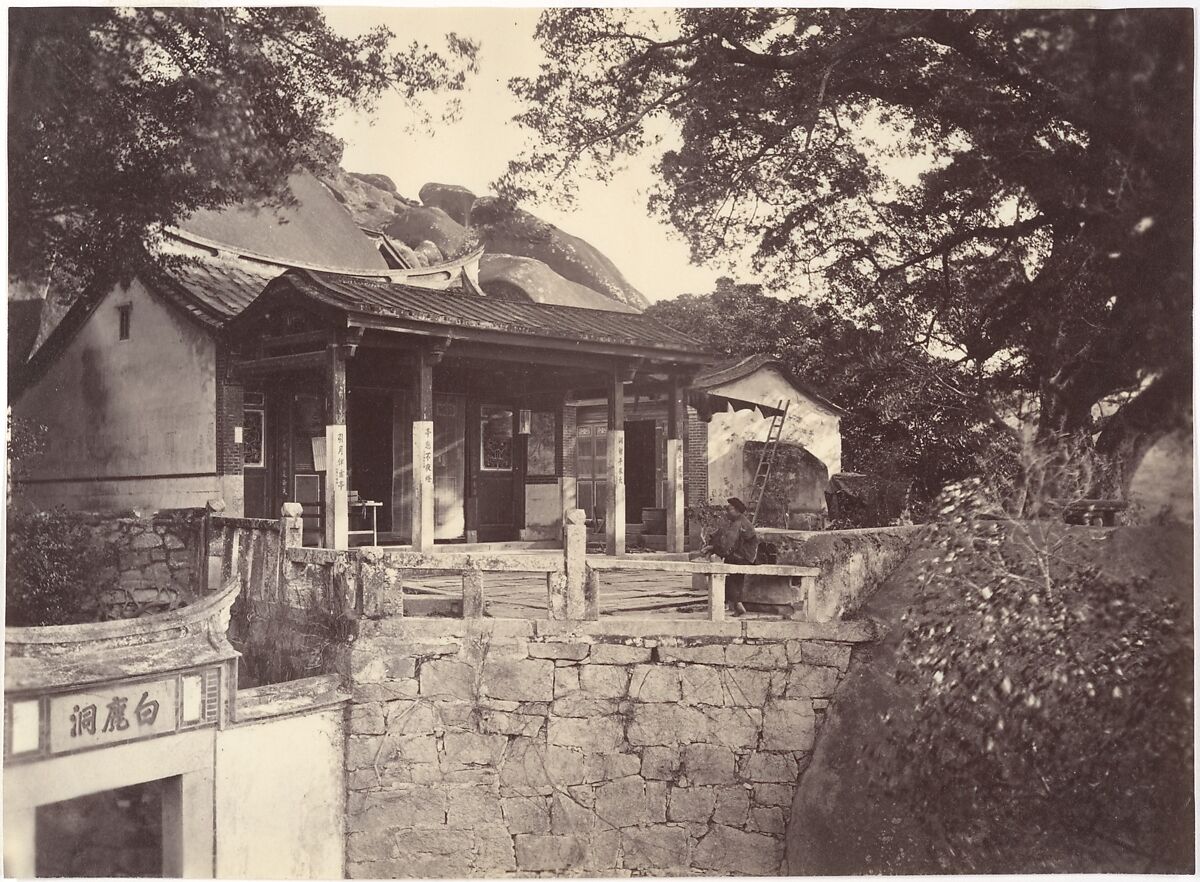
716, 597
575, 564
473, 604
211, 508
291, 525
380, 586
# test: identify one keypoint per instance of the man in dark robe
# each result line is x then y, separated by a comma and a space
735, 542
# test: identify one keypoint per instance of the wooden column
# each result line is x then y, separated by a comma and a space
422, 440
337, 522
614, 518
676, 435
567, 483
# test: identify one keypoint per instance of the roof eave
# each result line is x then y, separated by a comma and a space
502, 336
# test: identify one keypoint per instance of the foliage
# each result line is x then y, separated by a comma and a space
121, 120
52, 564
26, 442
1051, 715
282, 641
903, 420
1006, 188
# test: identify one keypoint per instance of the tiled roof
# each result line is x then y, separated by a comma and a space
730, 369
736, 368
214, 291
457, 309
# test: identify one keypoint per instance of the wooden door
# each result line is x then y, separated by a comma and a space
495, 472
640, 466
256, 473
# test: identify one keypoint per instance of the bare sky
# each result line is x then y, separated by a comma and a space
474, 150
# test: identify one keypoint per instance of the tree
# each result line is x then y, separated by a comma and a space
903, 420
121, 120
1045, 247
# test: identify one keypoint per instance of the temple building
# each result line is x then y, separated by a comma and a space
401, 401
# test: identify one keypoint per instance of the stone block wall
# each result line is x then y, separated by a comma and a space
151, 561
853, 563
496, 747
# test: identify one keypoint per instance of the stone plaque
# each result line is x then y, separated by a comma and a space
112, 714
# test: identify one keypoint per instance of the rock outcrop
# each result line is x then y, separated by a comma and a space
507, 230
511, 277
529, 258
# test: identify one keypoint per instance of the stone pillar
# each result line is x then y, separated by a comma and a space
676, 433
575, 563
716, 597
614, 518
337, 520
204, 563
473, 604
291, 516
422, 440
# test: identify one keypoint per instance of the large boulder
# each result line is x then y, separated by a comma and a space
416, 224
372, 200
511, 277
456, 201
455, 221
505, 229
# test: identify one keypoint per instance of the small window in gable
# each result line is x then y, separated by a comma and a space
124, 317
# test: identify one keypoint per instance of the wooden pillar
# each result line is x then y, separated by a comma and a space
422, 440
567, 483
676, 435
337, 523
614, 518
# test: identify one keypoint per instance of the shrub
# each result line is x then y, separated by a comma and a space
52, 569
1051, 721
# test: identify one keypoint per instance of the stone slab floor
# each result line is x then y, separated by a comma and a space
633, 594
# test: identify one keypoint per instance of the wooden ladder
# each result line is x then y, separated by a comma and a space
766, 460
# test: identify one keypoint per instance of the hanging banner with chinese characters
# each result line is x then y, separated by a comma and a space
112, 714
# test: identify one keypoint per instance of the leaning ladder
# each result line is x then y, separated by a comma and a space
766, 460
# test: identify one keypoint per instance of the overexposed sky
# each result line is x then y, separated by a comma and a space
475, 150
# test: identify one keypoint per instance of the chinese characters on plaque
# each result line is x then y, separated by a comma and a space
120, 712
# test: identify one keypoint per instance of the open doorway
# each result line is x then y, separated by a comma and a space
113, 833
369, 426
640, 461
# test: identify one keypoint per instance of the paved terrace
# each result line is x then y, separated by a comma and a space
622, 594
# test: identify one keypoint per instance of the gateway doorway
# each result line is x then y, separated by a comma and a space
641, 458
113, 833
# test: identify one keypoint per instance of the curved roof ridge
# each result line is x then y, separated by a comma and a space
739, 367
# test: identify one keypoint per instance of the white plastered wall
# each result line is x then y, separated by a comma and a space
127, 419
810, 424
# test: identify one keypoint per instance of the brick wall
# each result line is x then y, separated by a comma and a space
229, 416
695, 459
570, 415
504, 747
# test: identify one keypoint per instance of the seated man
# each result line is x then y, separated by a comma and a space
735, 542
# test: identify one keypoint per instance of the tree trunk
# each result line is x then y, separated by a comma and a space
1160, 408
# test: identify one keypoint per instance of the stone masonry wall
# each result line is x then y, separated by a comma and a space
151, 561
494, 747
